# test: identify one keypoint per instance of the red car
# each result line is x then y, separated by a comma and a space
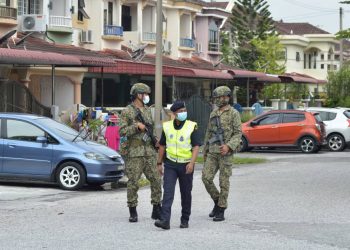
284, 128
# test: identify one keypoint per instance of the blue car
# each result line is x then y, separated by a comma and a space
35, 148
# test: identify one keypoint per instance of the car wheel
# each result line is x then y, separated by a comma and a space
336, 142
70, 176
307, 144
243, 145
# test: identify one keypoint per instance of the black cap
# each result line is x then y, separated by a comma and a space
177, 105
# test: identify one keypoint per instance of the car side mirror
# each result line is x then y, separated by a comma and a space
41, 139
253, 123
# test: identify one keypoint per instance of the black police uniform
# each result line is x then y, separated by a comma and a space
174, 171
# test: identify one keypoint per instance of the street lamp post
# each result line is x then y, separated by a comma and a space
159, 65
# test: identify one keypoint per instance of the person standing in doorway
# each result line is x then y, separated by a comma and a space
139, 150
222, 137
180, 143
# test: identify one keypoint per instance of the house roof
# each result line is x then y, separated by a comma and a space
86, 57
25, 57
297, 28
299, 78
219, 5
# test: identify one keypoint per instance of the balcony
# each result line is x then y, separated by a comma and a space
8, 15
187, 43
112, 32
213, 46
149, 36
60, 24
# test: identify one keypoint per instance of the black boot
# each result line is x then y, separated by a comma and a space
133, 214
215, 209
156, 212
162, 224
220, 215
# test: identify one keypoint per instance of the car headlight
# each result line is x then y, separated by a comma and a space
95, 156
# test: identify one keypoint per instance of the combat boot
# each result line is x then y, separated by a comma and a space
133, 214
156, 212
215, 209
162, 224
220, 214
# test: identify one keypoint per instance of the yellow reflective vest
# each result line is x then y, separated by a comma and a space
178, 142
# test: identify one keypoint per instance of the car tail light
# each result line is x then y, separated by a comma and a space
349, 122
318, 126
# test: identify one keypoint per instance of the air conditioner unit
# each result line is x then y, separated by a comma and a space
166, 46
86, 36
33, 23
199, 48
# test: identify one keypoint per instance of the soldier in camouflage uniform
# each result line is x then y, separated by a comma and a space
139, 153
218, 150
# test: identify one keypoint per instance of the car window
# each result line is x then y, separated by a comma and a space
331, 116
269, 119
23, 131
59, 129
347, 113
318, 117
293, 117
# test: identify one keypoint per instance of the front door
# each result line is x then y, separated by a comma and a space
22, 153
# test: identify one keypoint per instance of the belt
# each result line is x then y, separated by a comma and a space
179, 160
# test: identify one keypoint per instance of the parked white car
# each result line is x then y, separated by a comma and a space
337, 121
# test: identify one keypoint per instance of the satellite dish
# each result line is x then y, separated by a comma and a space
23, 39
29, 22
7, 36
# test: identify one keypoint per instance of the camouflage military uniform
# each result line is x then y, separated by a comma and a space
140, 156
231, 124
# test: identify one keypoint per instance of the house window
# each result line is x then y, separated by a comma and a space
304, 61
322, 57
110, 13
297, 56
329, 56
81, 12
337, 57
335, 67
6, 3
126, 18
328, 67
310, 60
315, 57
29, 7
322, 66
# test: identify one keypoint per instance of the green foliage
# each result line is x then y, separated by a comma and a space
296, 91
246, 116
269, 52
249, 20
343, 34
338, 87
273, 91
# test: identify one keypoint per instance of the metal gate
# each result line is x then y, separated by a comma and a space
14, 97
199, 111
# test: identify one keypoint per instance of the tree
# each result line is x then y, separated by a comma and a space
249, 20
338, 87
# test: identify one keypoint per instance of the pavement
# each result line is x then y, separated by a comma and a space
293, 201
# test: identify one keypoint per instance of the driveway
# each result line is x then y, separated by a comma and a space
294, 201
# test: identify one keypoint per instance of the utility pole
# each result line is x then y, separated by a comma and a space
341, 40
159, 65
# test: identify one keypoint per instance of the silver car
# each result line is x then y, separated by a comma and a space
337, 121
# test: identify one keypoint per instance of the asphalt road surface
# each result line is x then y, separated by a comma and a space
294, 201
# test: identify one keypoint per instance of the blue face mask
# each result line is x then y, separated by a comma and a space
182, 116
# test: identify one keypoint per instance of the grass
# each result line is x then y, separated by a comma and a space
239, 160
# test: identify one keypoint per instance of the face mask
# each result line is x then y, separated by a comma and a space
146, 99
220, 103
182, 116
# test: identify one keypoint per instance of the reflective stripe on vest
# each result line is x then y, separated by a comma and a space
178, 142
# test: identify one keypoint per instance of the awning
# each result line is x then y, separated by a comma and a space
26, 57
139, 68
253, 75
299, 78
94, 61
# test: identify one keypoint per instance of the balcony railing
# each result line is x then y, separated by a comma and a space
213, 46
187, 42
149, 36
60, 21
111, 30
8, 12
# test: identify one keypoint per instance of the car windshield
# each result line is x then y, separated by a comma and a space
62, 130
347, 113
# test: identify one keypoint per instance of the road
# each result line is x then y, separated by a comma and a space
294, 201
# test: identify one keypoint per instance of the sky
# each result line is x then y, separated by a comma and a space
321, 13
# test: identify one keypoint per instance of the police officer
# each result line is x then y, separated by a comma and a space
139, 153
222, 137
180, 143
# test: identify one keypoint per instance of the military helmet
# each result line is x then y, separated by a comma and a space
222, 91
140, 88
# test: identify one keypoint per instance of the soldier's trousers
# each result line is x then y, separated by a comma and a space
213, 164
135, 166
